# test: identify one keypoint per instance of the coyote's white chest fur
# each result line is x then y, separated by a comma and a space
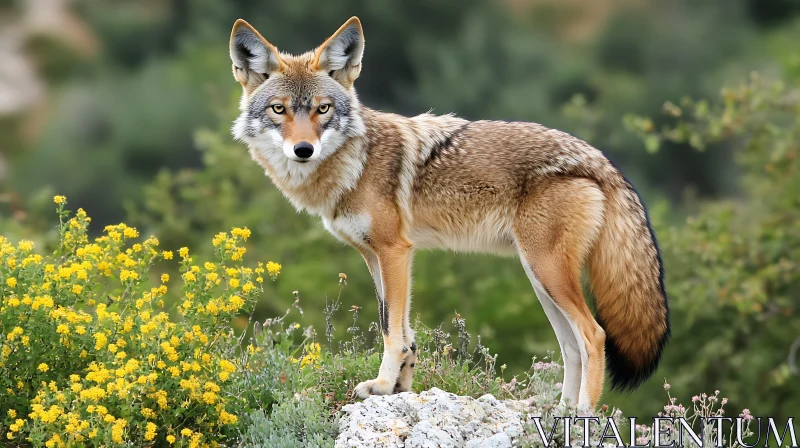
349, 228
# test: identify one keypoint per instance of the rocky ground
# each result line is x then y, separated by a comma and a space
433, 418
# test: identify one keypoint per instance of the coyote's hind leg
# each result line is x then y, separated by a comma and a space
556, 227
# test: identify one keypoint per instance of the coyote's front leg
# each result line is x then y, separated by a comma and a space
390, 267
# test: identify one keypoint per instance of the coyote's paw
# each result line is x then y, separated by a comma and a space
378, 386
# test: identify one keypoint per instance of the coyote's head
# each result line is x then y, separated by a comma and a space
297, 110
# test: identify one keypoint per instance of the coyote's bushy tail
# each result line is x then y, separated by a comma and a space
626, 278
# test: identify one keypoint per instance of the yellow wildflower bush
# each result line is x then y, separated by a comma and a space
90, 355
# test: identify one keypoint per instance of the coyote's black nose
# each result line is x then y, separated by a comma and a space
303, 150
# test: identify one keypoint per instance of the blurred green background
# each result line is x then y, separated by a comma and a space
124, 107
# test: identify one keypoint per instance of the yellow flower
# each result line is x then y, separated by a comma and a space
100, 340
150, 432
118, 430
130, 232
313, 352
247, 287
43, 367
227, 368
164, 278
273, 268
125, 275
236, 302
59, 200
209, 397
212, 308
227, 418
148, 413
219, 239
54, 441
13, 334
12, 413
183, 252
243, 233
167, 254
12, 282
186, 432
234, 283
17, 425
171, 439
240, 251
77, 289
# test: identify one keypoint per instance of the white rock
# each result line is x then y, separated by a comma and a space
497, 441
431, 419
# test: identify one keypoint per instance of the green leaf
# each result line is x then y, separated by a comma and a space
652, 143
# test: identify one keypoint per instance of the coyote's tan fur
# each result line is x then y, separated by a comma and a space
388, 185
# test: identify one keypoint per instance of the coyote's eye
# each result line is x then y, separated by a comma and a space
278, 108
324, 108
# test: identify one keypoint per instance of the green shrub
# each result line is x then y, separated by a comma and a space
731, 265
91, 355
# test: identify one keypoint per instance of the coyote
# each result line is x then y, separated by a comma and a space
388, 184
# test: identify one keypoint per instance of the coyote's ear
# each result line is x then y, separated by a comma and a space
254, 59
340, 55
